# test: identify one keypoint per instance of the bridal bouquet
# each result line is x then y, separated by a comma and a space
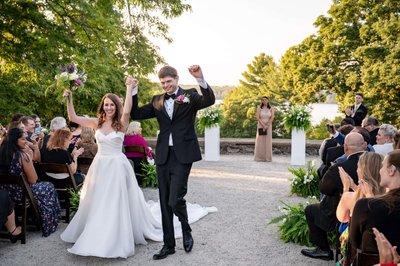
70, 78
209, 117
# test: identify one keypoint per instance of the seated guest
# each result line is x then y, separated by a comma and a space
89, 145
384, 139
133, 137
29, 124
371, 124
332, 153
382, 212
32, 146
56, 123
368, 186
14, 160
321, 217
7, 216
57, 152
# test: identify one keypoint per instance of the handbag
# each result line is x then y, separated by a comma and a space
261, 132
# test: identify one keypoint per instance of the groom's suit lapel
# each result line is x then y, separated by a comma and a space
176, 105
162, 104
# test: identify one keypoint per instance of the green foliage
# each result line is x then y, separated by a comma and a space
209, 117
305, 181
354, 50
294, 226
320, 131
240, 104
74, 200
149, 174
297, 118
106, 38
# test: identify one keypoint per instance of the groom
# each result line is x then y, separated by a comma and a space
177, 147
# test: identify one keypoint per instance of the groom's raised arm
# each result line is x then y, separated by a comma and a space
141, 113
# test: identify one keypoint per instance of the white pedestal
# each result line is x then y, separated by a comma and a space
211, 143
298, 154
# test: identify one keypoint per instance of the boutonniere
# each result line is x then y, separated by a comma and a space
184, 98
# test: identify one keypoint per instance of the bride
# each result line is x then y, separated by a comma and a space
113, 214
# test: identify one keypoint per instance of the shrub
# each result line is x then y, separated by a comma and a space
149, 174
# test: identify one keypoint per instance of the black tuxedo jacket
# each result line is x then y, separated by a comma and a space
186, 146
331, 186
359, 115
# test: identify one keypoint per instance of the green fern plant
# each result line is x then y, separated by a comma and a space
149, 174
294, 227
74, 200
305, 181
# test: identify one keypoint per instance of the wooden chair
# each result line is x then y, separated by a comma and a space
63, 195
366, 259
27, 201
136, 161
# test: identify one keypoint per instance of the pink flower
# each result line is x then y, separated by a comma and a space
182, 99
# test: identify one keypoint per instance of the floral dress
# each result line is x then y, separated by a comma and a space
44, 194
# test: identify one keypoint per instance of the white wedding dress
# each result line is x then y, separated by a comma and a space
113, 215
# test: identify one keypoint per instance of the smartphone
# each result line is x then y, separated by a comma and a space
37, 130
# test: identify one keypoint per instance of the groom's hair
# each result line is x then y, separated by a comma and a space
167, 71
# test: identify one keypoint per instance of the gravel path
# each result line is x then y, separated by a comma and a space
247, 195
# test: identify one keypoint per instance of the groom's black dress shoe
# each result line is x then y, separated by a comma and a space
318, 253
164, 252
187, 241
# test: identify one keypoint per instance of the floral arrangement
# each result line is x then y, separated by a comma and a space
305, 181
149, 173
209, 117
297, 118
181, 99
294, 226
70, 78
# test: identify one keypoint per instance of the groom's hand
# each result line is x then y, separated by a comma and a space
131, 82
196, 71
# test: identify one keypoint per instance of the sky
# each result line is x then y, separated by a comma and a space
224, 36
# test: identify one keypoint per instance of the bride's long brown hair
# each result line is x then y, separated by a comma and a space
101, 115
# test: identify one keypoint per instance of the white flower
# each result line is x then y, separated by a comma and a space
73, 76
150, 161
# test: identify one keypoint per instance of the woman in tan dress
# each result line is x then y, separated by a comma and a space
263, 147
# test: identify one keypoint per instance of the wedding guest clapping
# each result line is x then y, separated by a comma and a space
384, 139
388, 255
382, 212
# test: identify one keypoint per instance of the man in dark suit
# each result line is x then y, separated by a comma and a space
371, 124
177, 147
358, 111
321, 217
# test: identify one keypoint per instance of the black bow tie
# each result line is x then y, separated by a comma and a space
167, 96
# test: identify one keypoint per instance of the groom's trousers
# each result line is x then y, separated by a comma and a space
172, 183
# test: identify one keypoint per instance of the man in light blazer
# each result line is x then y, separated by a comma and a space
177, 147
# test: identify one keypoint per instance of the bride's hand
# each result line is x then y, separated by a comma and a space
131, 82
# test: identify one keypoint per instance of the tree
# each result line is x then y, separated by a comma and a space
355, 50
240, 105
106, 38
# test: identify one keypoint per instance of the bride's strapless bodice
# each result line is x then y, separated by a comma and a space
110, 144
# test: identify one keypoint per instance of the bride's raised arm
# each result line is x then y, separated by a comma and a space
81, 120
131, 84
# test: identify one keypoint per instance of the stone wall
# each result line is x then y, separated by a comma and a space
246, 146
